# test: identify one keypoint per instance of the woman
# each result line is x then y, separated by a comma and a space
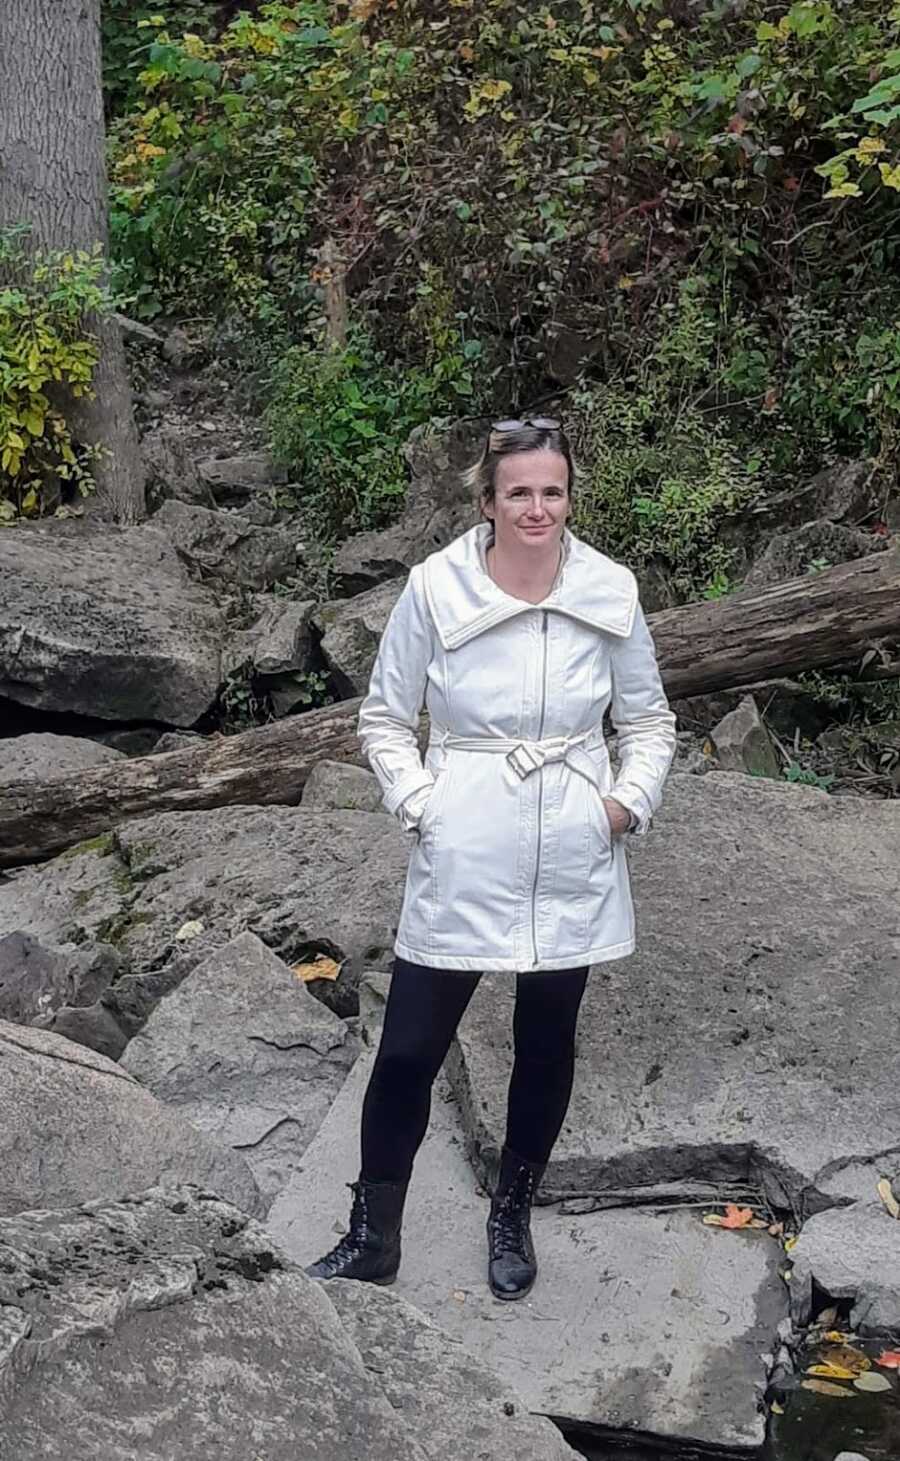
517, 637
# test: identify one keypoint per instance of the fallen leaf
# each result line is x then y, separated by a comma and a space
889, 1359
827, 1317
826, 1387
886, 1193
776, 1229
189, 930
321, 969
845, 1357
790, 1243
757, 1223
737, 1217
832, 1372
776, 1409
459, 1295
713, 1219
872, 1383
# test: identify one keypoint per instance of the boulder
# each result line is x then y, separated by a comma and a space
742, 742
276, 650
224, 545
40, 756
170, 1324
784, 704
351, 631
248, 1055
37, 982
168, 890
169, 463
74, 1127
846, 492
790, 554
103, 621
438, 508
235, 479
850, 1253
768, 940
336, 786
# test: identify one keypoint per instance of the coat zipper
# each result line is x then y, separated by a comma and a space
540, 826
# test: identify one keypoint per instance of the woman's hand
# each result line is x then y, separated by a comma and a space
619, 816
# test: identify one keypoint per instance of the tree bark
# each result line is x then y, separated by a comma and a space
805, 624
53, 178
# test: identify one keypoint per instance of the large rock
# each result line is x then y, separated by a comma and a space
103, 621
248, 1055
850, 1253
75, 1127
170, 1325
224, 545
351, 631
50, 988
168, 890
784, 704
640, 1320
235, 479
40, 756
742, 742
844, 493
276, 650
768, 953
438, 508
790, 554
335, 786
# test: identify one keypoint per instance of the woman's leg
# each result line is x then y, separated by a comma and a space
544, 1024
423, 1010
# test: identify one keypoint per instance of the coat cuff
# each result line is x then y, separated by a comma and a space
406, 799
637, 803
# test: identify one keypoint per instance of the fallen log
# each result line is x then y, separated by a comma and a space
804, 624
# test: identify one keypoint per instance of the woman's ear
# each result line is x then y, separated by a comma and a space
487, 509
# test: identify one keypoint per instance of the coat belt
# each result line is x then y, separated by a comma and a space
527, 756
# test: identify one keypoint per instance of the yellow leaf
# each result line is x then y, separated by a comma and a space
886, 1193
869, 146
790, 1243
30, 502
626, 281
590, 77
825, 1387
845, 1357
493, 90
712, 1219
831, 1372
844, 190
347, 118
776, 1409
321, 968
890, 176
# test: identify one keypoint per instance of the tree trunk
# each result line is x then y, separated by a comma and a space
53, 178
805, 624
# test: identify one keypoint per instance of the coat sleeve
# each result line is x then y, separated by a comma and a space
644, 725
389, 714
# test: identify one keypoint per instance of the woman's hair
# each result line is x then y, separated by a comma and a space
481, 477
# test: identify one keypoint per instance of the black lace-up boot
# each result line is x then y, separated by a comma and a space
371, 1249
512, 1266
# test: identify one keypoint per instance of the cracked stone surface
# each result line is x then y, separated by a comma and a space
104, 621
851, 1253
170, 1325
640, 1321
747, 1038
75, 1127
303, 881
248, 1055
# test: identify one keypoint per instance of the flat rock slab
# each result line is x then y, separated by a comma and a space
104, 621
851, 1253
752, 1035
74, 1127
641, 1321
168, 890
244, 1051
40, 756
170, 1326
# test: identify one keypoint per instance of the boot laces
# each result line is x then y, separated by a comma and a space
351, 1245
510, 1220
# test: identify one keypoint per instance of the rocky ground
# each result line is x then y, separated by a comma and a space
189, 1004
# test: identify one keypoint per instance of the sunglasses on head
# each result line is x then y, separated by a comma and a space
542, 423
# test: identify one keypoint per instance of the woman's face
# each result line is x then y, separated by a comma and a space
531, 499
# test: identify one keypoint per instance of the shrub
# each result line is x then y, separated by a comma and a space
47, 353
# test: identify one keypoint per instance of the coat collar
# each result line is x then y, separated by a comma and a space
464, 601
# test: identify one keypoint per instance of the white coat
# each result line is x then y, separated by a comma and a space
514, 866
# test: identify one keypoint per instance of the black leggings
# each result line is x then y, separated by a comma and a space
423, 1010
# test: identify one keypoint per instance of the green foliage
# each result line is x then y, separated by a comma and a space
805, 776
661, 471
46, 349
125, 39
339, 419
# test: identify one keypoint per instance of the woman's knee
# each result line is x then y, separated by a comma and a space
400, 1073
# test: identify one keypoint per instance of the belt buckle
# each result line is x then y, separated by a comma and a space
522, 761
